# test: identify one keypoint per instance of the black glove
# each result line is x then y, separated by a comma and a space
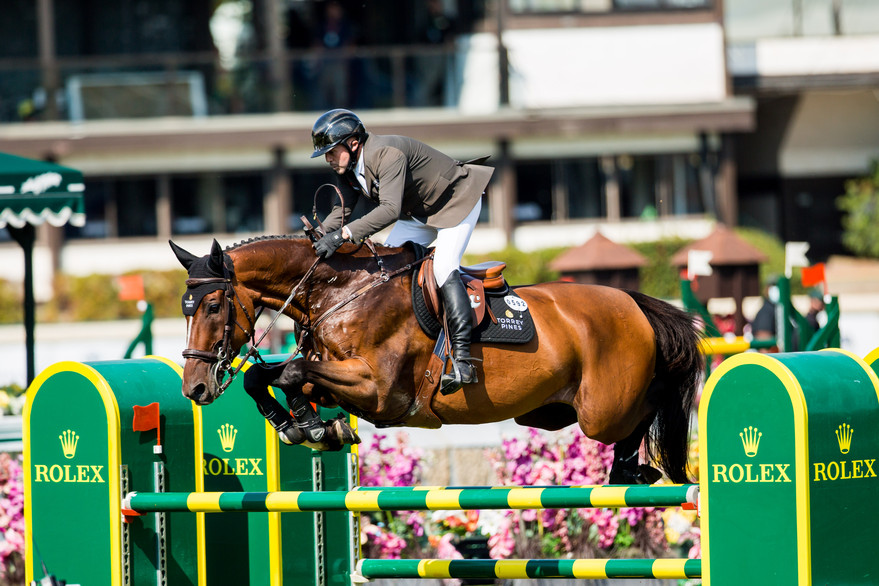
327, 245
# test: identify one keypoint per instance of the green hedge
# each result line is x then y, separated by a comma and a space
96, 297
11, 303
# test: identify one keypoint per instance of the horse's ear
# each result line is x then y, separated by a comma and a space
186, 258
215, 262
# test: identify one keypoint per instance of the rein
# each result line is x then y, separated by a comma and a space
222, 358
384, 278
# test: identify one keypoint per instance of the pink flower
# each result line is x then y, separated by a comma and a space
11, 511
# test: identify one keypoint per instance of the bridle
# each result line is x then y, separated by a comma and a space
221, 359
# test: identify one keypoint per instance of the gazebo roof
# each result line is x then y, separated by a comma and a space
598, 253
726, 248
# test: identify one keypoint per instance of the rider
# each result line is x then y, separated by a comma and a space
429, 195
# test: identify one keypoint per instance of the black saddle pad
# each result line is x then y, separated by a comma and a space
514, 324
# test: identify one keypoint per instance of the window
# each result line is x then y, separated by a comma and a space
136, 207
601, 6
583, 188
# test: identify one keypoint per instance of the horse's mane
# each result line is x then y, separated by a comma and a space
255, 239
267, 238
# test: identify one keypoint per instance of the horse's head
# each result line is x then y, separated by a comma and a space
218, 322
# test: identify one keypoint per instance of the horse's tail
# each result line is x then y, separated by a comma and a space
679, 368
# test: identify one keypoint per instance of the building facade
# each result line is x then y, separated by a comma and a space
649, 118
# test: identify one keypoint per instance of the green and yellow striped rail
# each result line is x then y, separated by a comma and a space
409, 499
592, 569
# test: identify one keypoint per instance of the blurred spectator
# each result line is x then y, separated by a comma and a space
432, 69
331, 71
763, 326
816, 316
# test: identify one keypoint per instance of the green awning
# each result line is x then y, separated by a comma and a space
33, 192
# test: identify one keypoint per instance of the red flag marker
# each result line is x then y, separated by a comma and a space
147, 418
130, 287
813, 275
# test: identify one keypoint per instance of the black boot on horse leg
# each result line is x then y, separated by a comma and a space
319, 435
456, 305
256, 381
625, 469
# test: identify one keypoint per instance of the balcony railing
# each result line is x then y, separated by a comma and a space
194, 84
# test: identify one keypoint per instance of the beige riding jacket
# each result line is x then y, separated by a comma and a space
408, 179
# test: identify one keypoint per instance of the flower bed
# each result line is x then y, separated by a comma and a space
533, 460
11, 520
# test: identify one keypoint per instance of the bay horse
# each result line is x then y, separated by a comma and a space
621, 364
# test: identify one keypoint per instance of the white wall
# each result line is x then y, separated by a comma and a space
601, 66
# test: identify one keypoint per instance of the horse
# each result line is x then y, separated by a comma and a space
623, 365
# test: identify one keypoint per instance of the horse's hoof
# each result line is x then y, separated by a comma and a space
340, 429
648, 474
643, 474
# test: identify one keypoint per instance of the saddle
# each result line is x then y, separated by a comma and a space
486, 276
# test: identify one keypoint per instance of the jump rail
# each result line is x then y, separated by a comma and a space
593, 569
556, 497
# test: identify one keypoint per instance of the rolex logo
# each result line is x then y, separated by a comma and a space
844, 437
751, 440
227, 433
69, 439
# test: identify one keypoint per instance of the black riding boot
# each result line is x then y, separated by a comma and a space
456, 304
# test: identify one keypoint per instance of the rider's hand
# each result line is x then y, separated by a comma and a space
327, 245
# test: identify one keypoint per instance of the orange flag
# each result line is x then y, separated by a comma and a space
813, 275
147, 418
130, 287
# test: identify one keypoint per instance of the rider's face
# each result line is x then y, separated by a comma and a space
339, 157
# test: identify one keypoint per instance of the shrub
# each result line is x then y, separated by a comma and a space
523, 268
658, 277
11, 303
12, 399
860, 203
96, 297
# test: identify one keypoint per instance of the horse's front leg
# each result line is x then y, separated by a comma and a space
305, 426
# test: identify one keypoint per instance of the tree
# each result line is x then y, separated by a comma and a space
861, 206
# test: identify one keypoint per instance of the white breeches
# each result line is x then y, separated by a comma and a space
450, 242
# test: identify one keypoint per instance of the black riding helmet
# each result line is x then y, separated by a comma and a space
334, 127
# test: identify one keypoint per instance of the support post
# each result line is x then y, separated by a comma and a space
26, 236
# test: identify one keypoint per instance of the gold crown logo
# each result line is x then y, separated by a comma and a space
844, 437
751, 440
69, 439
227, 433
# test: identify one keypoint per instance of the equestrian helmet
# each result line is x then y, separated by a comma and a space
334, 127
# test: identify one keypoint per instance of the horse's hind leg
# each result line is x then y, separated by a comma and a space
625, 468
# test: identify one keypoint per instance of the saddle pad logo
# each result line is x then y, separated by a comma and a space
515, 303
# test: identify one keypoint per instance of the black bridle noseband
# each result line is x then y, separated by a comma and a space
221, 359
